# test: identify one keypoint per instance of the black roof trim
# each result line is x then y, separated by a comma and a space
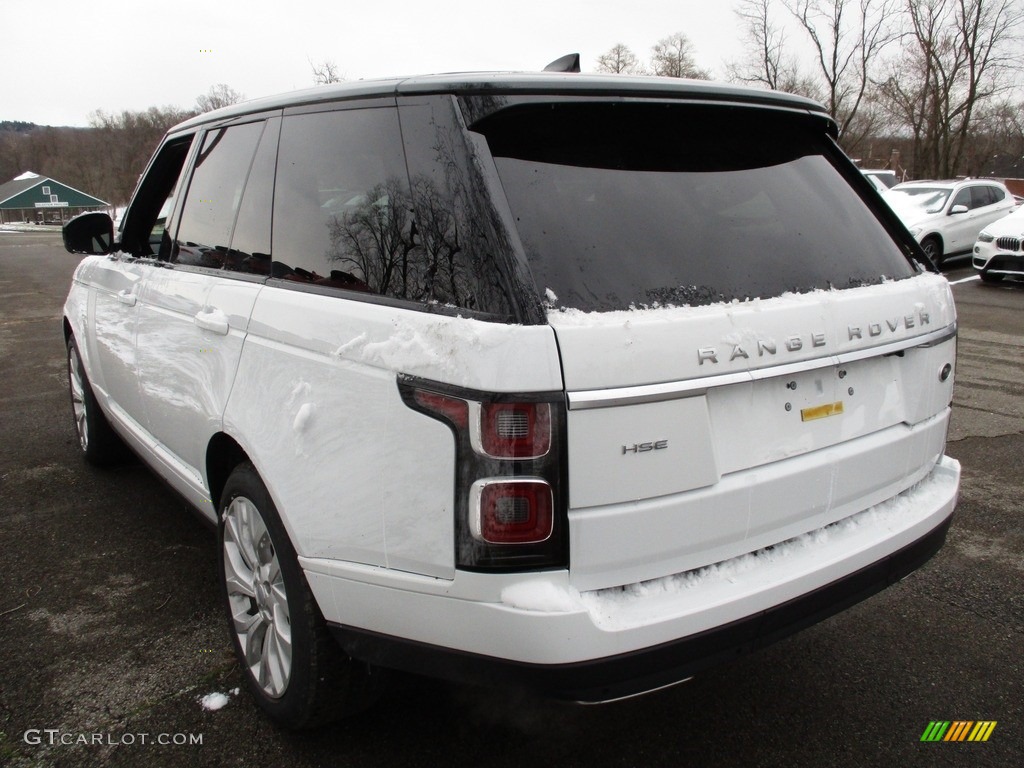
538, 83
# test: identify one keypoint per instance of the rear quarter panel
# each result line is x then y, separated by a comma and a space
356, 474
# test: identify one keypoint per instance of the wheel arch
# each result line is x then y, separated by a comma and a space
223, 454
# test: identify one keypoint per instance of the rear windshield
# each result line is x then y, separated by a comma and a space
641, 205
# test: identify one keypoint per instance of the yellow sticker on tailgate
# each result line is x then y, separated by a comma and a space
821, 411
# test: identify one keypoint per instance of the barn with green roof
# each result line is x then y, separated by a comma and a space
43, 200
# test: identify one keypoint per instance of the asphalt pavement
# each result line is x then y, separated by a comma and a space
111, 631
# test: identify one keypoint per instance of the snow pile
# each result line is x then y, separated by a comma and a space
621, 606
23, 228
352, 347
567, 317
211, 702
541, 595
302, 417
298, 402
418, 348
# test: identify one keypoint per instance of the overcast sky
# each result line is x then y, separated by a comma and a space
63, 59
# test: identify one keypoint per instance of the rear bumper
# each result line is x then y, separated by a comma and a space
651, 668
602, 645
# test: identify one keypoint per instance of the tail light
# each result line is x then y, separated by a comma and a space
510, 510
514, 430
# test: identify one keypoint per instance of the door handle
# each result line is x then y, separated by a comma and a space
127, 297
213, 320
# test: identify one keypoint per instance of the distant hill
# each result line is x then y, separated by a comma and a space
18, 126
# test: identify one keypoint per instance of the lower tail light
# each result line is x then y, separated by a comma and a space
511, 511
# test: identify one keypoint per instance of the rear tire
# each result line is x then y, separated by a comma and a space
295, 671
100, 445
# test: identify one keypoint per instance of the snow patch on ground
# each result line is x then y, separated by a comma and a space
211, 702
16, 227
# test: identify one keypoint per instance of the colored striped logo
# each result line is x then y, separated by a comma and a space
958, 730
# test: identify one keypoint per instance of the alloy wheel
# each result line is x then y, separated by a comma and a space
78, 397
257, 597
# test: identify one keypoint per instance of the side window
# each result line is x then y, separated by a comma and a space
214, 194
982, 196
963, 197
342, 214
144, 226
998, 195
250, 242
468, 242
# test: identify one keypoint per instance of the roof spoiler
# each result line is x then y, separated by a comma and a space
568, 63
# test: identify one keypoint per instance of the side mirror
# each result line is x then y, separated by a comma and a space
958, 209
91, 233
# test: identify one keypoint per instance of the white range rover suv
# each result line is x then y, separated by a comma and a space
576, 383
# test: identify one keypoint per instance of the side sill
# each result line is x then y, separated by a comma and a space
629, 674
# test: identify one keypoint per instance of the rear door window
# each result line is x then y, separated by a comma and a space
214, 194
250, 240
983, 195
624, 205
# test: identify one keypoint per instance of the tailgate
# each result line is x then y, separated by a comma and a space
698, 434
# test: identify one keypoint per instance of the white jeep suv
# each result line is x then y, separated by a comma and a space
578, 383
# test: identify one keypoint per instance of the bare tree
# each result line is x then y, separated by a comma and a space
619, 60
767, 62
996, 143
672, 56
218, 96
847, 37
958, 58
126, 141
326, 72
